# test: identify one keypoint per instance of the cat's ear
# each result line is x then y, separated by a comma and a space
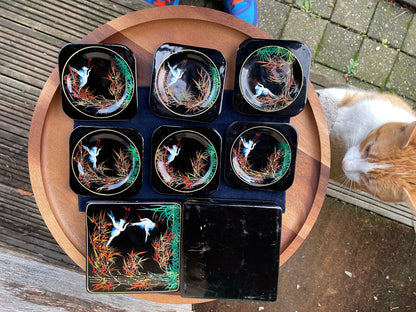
409, 134
410, 199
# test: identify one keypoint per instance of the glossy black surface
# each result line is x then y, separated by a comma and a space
146, 123
230, 249
187, 82
185, 160
106, 161
98, 81
260, 156
132, 246
271, 77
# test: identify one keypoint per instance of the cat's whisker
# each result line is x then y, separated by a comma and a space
344, 183
375, 192
348, 183
354, 140
344, 180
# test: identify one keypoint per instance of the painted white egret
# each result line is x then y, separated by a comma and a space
145, 224
173, 152
83, 75
248, 146
262, 90
118, 227
93, 153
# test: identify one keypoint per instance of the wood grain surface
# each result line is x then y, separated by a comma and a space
143, 31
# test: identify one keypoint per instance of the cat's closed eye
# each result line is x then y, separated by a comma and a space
367, 150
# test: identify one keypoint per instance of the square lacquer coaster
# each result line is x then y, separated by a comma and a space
185, 160
271, 77
132, 247
106, 161
187, 82
230, 249
98, 81
260, 155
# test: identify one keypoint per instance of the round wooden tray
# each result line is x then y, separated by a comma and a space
143, 31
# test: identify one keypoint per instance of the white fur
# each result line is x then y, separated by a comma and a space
368, 115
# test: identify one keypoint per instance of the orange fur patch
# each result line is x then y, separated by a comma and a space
386, 148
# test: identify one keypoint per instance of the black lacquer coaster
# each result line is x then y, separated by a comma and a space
98, 81
185, 160
260, 156
187, 82
132, 247
106, 161
271, 77
230, 249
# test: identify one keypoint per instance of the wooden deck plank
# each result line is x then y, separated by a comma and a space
30, 60
30, 92
399, 213
13, 101
19, 215
69, 14
44, 14
14, 128
23, 204
28, 33
23, 75
5, 13
18, 159
11, 176
33, 55
20, 63
98, 14
15, 179
121, 7
10, 107
17, 155
15, 116
37, 237
13, 157
19, 151
44, 50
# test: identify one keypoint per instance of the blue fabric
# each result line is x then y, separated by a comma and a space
246, 10
146, 122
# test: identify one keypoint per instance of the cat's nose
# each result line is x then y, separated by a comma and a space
346, 165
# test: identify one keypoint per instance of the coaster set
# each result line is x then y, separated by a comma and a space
204, 247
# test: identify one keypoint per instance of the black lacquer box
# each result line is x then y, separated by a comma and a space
106, 161
271, 77
187, 82
98, 81
132, 247
260, 155
230, 249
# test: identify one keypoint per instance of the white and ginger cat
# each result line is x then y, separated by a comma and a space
373, 142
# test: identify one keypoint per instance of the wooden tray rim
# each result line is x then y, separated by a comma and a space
99, 35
